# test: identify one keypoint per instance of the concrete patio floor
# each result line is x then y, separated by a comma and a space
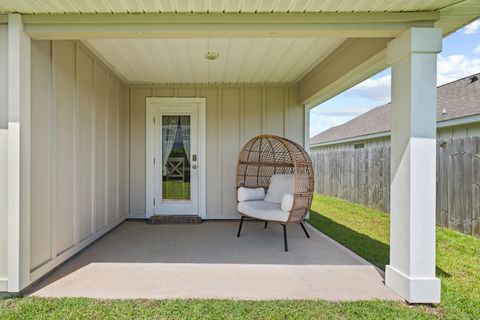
138, 260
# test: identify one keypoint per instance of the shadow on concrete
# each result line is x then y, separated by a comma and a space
374, 251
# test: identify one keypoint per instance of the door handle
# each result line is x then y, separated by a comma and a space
194, 166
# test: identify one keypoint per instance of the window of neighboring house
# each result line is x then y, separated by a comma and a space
359, 146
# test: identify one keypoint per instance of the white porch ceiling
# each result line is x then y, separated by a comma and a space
241, 60
192, 6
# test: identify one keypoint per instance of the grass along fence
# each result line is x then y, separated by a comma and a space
363, 176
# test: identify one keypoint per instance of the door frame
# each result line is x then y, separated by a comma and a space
151, 103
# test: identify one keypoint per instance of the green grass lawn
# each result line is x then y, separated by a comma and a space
366, 232
363, 230
175, 190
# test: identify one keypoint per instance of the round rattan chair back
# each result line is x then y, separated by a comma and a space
266, 155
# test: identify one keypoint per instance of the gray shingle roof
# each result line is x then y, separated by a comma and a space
459, 98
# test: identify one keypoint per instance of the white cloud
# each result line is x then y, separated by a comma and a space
344, 111
375, 89
362, 98
320, 124
449, 68
453, 67
472, 27
323, 118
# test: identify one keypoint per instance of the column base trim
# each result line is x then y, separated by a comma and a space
3, 285
414, 290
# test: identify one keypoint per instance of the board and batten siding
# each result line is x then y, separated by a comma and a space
78, 151
234, 114
467, 130
368, 143
3, 155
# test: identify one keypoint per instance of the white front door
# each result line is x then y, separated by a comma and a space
173, 153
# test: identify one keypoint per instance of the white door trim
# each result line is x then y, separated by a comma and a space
151, 103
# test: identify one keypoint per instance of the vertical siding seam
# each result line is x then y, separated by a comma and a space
286, 105
106, 110
76, 218
264, 110
93, 102
242, 116
220, 142
53, 194
129, 138
117, 152
52, 150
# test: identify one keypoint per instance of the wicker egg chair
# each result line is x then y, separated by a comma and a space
268, 155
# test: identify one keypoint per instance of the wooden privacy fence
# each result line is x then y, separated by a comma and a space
363, 176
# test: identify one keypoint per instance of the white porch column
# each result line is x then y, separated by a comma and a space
411, 272
18, 265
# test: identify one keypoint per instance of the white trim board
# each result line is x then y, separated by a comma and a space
18, 179
188, 25
472, 119
3, 284
201, 125
306, 127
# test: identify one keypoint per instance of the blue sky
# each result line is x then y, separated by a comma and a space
460, 57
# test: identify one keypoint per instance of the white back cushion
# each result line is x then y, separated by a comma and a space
280, 184
249, 194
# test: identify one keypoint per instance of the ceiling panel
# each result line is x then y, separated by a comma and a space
125, 6
241, 60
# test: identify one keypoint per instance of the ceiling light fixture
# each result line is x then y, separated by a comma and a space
210, 55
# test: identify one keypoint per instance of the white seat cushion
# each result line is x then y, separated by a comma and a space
279, 185
263, 210
249, 194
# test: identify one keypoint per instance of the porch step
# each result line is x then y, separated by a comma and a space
174, 219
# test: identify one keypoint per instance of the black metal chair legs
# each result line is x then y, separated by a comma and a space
285, 242
284, 226
304, 230
240, 227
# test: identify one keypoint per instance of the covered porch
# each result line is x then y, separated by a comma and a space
77, 142
206, 261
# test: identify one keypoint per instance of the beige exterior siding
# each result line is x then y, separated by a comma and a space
369, 143
234, 115
470, 130
41, 171
86, 176
77, 164
3, 155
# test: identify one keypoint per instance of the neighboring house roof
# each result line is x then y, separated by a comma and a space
460, 99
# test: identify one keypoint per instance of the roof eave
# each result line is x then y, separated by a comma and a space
472, 119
